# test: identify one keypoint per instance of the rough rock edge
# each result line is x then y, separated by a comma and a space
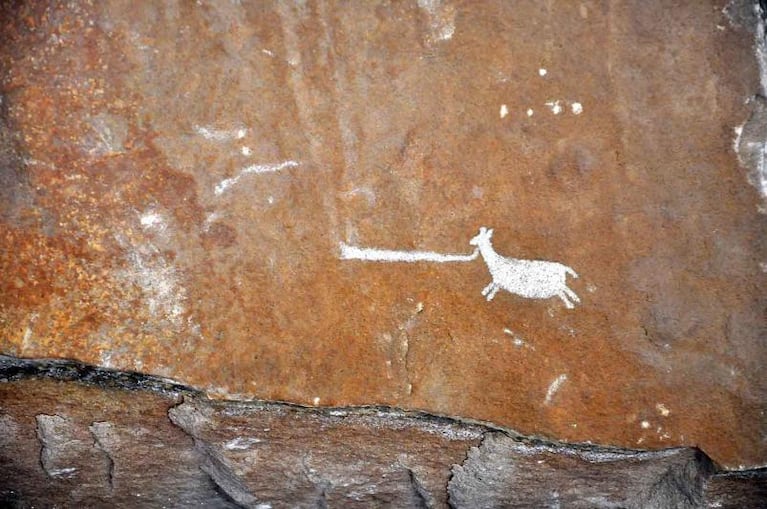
17, 369
750, 143
14, 369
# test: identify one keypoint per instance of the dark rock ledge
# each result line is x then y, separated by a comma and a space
73, 435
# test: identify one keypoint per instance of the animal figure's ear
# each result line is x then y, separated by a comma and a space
482, 229
490, 232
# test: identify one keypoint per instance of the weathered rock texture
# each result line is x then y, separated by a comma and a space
76, 436
178, 178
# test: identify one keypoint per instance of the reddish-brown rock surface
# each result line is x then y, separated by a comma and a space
177, 180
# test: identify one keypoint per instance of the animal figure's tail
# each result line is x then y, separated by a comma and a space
571, 272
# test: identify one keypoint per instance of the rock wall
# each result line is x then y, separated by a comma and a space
544, 215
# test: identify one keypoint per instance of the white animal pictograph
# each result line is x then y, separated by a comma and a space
532, 279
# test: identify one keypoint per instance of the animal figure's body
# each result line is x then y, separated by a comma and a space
533, 279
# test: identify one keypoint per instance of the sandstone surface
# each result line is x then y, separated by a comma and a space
275, 200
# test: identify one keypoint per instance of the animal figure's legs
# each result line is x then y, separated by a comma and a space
562, 295
572, 295
487, 289
492, 292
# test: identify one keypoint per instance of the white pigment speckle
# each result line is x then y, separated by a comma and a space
662, 409
542, 72
554, 387
316, 400
555, 106
517, 340
246, 151
530, 112
504, 111
645, 424
576, 108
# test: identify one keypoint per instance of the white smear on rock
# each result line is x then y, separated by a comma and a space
441, 19
554, 388
152, 220
211, 133
253, 169
241, 444
159, 281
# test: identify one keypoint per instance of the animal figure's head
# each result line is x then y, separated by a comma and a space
483, 236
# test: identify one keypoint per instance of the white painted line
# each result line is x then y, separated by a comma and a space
253, 168
554, 387
384, 255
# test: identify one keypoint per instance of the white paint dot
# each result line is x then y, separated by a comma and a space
270, 200
246, 151
530, 112
645, 424
577, 108
241, 133
662, 409
542, 72
316, 400
504, 111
